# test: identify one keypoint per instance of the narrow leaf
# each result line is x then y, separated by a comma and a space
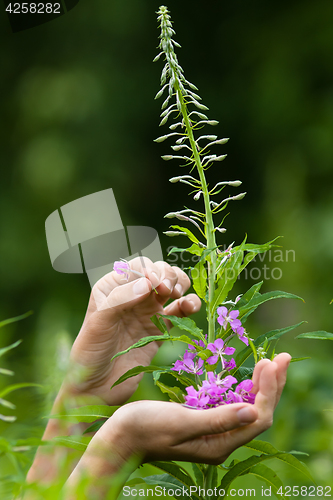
136, 371
319, 335
186, 324
79, 443
199, 279
188, 232
13, 320
87, 413
160, 324
174, 393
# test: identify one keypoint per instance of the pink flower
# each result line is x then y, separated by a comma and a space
122, 267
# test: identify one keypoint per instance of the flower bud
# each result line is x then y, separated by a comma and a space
238, 197
197, 195
174, 233
219, 158
175, 125
222, 141
221, 229
167, 157
156, 59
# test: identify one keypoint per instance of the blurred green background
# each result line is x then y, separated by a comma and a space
78, 116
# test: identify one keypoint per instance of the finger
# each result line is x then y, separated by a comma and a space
169, 279
177, 282
256, 374
141, 265
218, 420
184, 307
282, 360
264, 404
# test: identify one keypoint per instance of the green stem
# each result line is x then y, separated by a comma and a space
209, 227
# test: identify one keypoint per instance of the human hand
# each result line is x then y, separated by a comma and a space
169, 431
118, 315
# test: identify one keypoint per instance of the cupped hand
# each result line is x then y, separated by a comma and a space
118, 315
169, 431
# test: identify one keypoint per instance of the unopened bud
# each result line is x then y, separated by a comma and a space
219, 158
175, 233
220, 229
238, 197
167, 157
197, 195
161, 139
222, 141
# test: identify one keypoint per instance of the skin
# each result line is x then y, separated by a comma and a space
157, 430
118, 315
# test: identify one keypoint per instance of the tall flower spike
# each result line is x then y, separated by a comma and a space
186, 102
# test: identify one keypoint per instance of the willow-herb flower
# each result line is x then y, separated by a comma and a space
188, 364
242, 393
219, 350
122, 267
225, 318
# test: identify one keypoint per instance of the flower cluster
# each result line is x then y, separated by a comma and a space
216, 392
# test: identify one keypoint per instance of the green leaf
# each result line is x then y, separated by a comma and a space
136, 371
168, 482
295, 360
175, 471
95, 426
207, 252
194, 249
319, 335
266, 474
87, 413
13, 320
287, 457
142, 342
198, 474
160, 324
245, 299
79, 443
242, 356
199, 279
188, 232
174, 393
185, 380
228, 277
186, 324
3, 350
258, 299
14, 387
244, 466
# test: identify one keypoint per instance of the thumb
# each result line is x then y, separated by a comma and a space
218, 420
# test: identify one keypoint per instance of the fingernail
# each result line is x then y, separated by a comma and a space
141, 287
155, 280
179, 289
194, 306
167, 283
246, 415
